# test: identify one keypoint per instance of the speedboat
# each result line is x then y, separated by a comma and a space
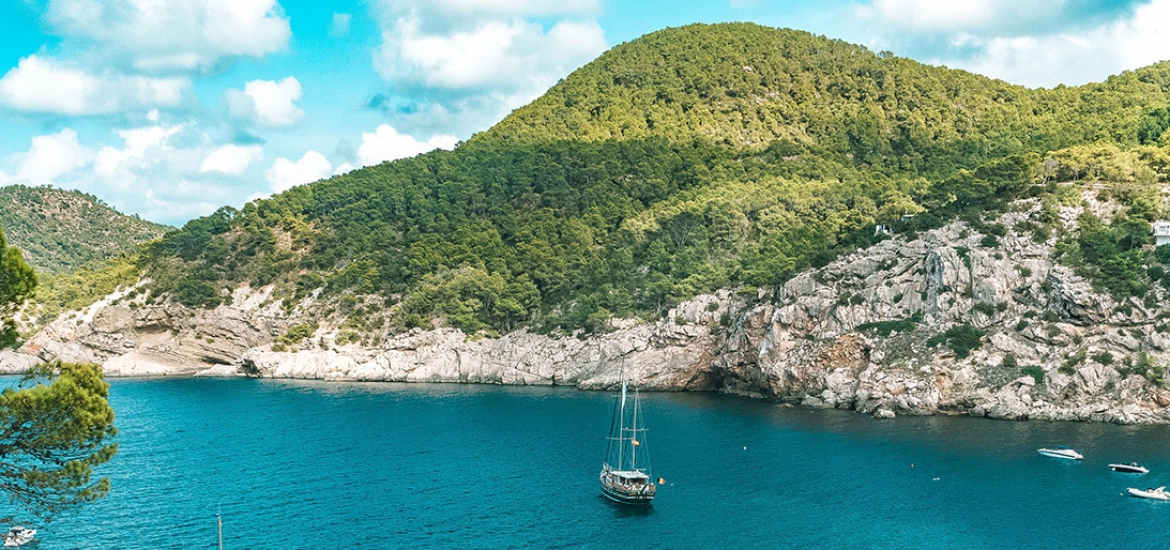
1061, 451
19, 536
1155, 494
1131, 468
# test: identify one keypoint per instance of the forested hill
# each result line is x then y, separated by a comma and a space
747, 85
692, 159
61, 230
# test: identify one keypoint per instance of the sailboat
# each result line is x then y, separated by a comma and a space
623, 478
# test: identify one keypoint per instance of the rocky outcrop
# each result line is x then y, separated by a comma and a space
866, 333
673, 354
131, 338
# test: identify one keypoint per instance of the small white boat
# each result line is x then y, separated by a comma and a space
1060, 451
19, 536
1155, 494
1131, 468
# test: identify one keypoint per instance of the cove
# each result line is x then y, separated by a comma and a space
295, 464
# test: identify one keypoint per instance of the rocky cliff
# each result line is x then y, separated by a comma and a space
874, 331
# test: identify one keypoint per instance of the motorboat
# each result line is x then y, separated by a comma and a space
19, 536
1154, 494
625, 475
1061, 451
1131, 468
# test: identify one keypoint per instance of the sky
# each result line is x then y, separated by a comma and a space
171, 109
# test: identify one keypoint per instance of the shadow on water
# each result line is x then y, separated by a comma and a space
627, 510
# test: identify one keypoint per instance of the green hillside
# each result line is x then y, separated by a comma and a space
59, 230
691, 159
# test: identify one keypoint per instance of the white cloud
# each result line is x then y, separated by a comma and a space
231, 159
154, 172
141, 145
476, 60
154, 35
267, 102
385, 143
954, 15
1024, 41
286, 174
1077, 58
459, 12
43, 85
51, 157
340, 26
505, 55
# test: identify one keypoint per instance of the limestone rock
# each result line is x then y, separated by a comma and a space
853, 334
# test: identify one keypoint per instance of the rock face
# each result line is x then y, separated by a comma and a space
866, 333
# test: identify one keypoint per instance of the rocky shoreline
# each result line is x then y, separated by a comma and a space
818, 341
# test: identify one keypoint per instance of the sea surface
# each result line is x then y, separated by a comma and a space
316, 465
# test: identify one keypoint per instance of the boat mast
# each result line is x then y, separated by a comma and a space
622, 425
219, 523
634, 435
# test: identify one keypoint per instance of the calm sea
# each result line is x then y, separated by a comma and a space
310, 465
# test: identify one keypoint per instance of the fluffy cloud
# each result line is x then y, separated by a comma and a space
156, 170
231, 159
141, 146
267, 102
385, 143
502, 55
1030, 42
286, 174
44, 85
125, 56
150, 35
959, 15
51, 157
479, 59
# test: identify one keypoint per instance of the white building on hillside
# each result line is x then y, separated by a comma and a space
1161, 232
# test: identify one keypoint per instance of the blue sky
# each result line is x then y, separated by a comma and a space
170, 110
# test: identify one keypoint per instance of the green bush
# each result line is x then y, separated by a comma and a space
961, 339
984, 308
1074, 360
885, 328
1104, 358
297, 333
1035, 372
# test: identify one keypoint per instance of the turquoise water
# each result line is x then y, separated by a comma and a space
380, 466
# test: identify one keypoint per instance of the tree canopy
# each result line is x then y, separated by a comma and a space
53, 435
17, 282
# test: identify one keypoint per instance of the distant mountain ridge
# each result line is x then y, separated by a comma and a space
61, 230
